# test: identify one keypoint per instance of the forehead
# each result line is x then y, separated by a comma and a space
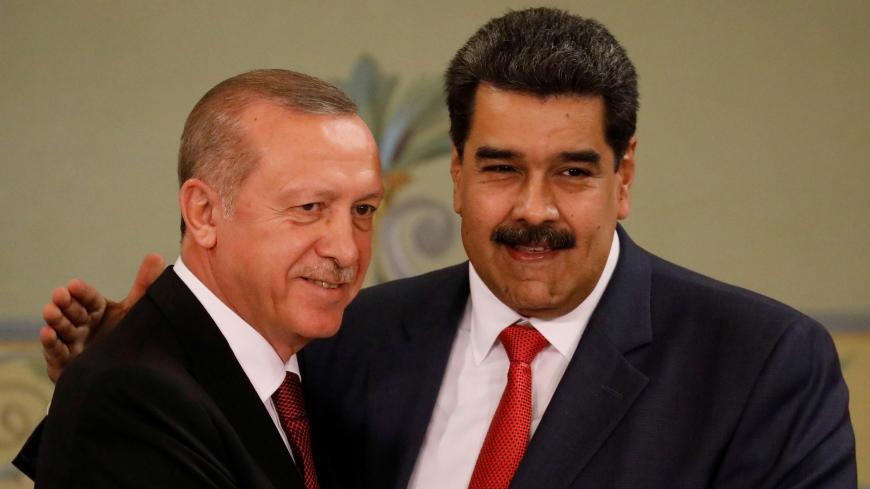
267, 125
301, 150
530, 123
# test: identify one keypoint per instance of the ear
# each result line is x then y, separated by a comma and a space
456, 176
201, 208
625, 177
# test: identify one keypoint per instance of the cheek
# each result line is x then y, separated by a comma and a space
363, 242
485, 210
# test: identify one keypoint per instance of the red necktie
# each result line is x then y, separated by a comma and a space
291, 411
508, 433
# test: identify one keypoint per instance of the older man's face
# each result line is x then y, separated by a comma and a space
539, 197
295, 250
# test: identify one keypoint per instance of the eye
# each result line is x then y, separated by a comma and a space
499, 168
364, 210
311, 207
305, 213
576, 172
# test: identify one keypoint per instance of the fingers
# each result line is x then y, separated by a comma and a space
51, 345
78, 312
64, 314
86, 301
67, 325
150, 268
56, 353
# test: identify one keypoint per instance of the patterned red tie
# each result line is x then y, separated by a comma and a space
291, 411
508, 433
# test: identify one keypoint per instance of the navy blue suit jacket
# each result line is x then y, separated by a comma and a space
679, 381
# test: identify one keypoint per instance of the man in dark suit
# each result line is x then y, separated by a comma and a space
563, 355
199, 384
650, 375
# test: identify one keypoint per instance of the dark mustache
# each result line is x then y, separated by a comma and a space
534, 235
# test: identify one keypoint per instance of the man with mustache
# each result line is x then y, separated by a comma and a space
199, 385
562, 355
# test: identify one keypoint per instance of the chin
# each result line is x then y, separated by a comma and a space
326, 325
542, 306
533, 295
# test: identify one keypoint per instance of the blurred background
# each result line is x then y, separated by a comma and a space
749, 160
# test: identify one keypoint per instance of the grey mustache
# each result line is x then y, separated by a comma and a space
330, 272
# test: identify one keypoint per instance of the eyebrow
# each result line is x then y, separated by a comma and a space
373, 195
490, 153
324, 194
293, 190
583, 156
586, 156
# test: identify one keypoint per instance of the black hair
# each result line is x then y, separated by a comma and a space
545, 51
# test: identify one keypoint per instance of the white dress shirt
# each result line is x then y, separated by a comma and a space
258, 359
476, 376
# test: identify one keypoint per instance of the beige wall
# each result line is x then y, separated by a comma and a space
752, 131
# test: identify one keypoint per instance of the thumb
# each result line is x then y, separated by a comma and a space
150, 268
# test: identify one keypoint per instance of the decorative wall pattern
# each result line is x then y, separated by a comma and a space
414, 233
24, 395
410, 128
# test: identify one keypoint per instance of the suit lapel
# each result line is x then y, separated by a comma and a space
599, 385
212, 363
405, 379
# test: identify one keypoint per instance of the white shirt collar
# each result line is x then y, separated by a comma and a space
489, 316
258, 359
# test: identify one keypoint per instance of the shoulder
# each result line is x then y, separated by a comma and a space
379, 309
722, 333
141, 363
409, 292
145, 420
681, 297
123, 376
767, 374
377, 315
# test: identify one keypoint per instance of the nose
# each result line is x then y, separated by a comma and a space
338, 243
535, 202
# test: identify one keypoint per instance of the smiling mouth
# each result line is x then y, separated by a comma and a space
531, 254
324, 284
532, 249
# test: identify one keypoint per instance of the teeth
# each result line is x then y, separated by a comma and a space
533, 249
325, 285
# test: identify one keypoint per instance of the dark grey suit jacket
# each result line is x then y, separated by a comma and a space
161, 402
678, 382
